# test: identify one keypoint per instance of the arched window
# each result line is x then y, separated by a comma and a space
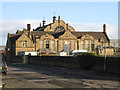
59, 29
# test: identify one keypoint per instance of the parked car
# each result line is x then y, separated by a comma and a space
77, 52
3, 67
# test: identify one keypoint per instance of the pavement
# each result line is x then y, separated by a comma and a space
42, 76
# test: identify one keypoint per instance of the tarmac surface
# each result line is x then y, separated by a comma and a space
42, 76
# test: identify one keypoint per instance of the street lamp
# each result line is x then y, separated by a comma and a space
102, 49
105, 58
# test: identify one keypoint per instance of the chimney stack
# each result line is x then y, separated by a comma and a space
67, 25
54, 19
104, 28
59, 19
40, 24
29, 27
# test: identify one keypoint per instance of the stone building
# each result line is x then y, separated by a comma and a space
56, 36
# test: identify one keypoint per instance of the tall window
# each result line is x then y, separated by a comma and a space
87, 45
82, 44
24, 44
52, 44
68, 42
61, 45
73, 44
92, 45
41, 44
77, 45
98, 40
47, 44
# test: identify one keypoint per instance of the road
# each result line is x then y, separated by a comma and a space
41, 76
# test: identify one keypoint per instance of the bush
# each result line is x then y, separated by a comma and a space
87, 60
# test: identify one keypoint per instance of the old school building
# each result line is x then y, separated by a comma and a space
55, 37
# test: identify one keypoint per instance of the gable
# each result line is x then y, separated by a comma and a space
46, 36
87, 36
23, 37
67, 35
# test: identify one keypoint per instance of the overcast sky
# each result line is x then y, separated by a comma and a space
83, 16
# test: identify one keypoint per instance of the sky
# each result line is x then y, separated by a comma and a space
83, 16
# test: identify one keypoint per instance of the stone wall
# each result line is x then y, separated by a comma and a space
112, 63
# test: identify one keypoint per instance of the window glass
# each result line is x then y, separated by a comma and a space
92, 45
87, 45
47, 44
41, 44
73, 44
52, 44
59, 28
61, 45
82, 44
24, 44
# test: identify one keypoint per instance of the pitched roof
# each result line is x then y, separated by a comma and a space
14, 37
96, 35
41, 28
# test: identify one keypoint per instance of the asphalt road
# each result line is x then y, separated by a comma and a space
40, 76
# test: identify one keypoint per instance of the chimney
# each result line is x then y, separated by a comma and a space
104, 28
40, 24
8, 35
54, 19
43, 22
29, 27
67, 26
59, 19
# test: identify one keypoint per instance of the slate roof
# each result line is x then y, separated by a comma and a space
14, 37
96, 35
41, 28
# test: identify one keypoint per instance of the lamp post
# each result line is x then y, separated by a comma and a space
102, 49
105, 58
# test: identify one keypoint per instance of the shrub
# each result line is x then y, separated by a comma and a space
87, 60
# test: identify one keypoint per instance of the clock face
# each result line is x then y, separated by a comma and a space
59, 29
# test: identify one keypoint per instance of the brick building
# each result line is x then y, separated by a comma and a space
55, 36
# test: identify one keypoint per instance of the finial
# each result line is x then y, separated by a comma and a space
43, 21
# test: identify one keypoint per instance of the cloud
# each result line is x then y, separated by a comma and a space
11, 26
112, 30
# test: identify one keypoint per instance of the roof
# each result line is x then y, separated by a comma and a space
14, 37
96, 35
41, 28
